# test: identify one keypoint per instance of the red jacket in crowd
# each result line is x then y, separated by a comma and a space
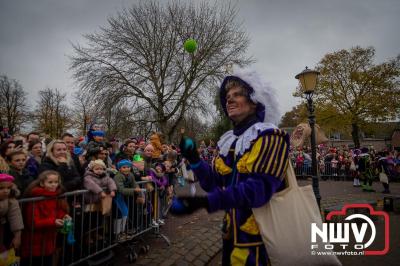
40, 228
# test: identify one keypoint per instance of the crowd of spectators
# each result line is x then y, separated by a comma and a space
32, 166
343, 162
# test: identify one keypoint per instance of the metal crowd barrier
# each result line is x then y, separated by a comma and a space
91, 236
326, 171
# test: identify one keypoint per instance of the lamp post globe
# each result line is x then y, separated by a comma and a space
308, 80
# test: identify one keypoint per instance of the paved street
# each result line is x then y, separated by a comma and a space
195, 239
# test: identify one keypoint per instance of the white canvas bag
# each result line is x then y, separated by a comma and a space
383, 176
285, 226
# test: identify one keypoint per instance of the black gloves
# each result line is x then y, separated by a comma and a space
189, 150
187, 205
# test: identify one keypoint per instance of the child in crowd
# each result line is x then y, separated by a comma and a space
35, 158
141, 146
158, 176
138, 168
171, 171
11, 223
188, 175
98, 182
140, 173
100, 185
98, 140
127, 189
17, 161
42, 219
93, 127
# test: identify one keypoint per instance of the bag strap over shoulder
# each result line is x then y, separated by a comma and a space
291, 177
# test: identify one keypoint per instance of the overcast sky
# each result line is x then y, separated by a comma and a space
286, 35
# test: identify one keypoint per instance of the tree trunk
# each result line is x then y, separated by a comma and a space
355, 130
163, 124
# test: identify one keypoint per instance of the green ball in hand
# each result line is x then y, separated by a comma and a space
190, 45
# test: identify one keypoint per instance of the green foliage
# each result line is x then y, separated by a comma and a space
220, 127
297, 115
330, 119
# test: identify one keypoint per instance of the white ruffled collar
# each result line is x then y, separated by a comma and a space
243, 141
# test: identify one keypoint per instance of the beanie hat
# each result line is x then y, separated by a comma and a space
92, 164
78, 151
6, 178
137, 158
98, 133
124, 162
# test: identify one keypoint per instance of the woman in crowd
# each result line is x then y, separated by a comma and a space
148, 157
58, 159
5, 149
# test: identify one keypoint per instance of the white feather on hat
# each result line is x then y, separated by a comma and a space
263, 93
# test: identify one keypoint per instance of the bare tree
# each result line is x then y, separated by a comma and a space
120, 119
84, 111
13, 106
51, 114
117, 119
139, 58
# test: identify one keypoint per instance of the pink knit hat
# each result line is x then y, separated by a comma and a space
6, 178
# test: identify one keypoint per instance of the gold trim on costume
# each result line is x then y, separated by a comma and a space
250, 226
241, 165
239, 256
221, 167
235, 242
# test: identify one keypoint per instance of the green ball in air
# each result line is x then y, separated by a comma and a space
190, 45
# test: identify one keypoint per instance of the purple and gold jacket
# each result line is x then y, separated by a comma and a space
247, 172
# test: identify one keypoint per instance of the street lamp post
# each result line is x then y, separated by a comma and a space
308, 81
